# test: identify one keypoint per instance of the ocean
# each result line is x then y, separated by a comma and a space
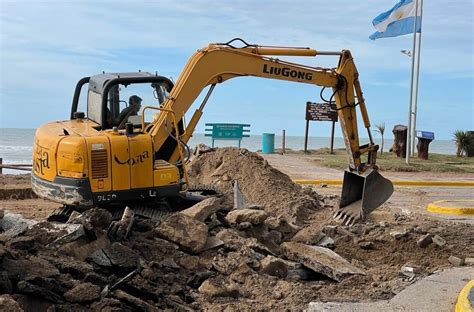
16, 145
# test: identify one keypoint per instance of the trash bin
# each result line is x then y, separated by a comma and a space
268, 143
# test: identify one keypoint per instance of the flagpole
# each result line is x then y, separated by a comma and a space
409, 132
417, 79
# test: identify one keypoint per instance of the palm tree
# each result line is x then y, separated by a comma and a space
463, 140
381, 129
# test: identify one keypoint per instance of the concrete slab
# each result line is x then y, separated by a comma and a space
437, 292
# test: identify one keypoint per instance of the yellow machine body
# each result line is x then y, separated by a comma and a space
75, 164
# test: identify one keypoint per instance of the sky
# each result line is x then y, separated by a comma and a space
47, 46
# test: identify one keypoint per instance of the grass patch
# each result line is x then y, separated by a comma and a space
387, 162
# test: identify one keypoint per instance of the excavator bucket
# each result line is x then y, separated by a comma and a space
361, 194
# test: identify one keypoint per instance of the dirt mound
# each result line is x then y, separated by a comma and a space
260, 182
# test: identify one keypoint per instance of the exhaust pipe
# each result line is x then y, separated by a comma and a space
362, 194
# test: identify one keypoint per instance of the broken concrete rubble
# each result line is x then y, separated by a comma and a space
204, 209
425, 240
189, 233
438, 240
455, 261
219, 287
274, 266
252, 216
320, 260
84, 292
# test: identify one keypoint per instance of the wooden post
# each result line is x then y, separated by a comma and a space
422, 147
400, 133
306, 137
283, 142
332, 137
1, 162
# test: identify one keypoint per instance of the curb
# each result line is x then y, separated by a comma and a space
398, 182
463, 304
435, 207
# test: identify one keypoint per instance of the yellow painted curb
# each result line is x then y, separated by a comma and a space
437, 207
463, 304
396, 182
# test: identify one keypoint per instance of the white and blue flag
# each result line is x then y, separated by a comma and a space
397, 21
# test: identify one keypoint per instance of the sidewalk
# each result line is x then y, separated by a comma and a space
437, 292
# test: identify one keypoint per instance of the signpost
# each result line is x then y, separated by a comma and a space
227, 131
320, 112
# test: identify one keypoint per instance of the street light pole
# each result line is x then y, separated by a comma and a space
410, 107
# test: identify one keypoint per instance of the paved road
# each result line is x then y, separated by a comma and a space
437, 292
407, 199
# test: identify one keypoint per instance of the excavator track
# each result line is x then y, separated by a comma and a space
159, 209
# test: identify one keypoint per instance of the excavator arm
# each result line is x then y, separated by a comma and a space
220, 62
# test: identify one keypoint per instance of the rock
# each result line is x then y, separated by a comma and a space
247, 215
118, 230
203, 209
425, 240
277, 295
189, 233
243, 226
469, 261
455, 261
308, 235
326, 242
438, 240
22, 243
197, 279
330, 230
320, 260
231, 239
84, 292
281, 225
169, 263
367, 245
241, 273
383, 224
100, 258
95, 217
7, 303
274, 237
82, 249
95, 279
410, 271
274, 266
397, 234
121, 256
38, 291
139, 304
74, 215
188, 262
219, 287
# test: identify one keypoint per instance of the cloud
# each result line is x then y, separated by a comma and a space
46, 46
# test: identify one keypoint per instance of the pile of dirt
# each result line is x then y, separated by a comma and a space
260, 182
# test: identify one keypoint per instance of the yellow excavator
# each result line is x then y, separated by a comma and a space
129, 143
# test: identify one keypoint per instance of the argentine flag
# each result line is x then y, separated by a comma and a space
398, 21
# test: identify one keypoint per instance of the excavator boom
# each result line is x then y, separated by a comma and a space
364, 189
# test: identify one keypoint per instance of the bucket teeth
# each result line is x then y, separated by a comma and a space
346, 217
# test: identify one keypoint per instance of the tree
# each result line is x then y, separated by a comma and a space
463, 140
381, 129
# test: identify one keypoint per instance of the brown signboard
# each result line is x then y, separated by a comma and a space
321, 111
